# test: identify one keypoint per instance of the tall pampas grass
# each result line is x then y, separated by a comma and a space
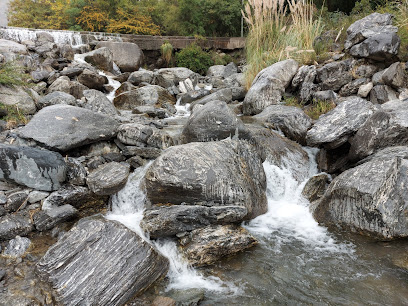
278, 31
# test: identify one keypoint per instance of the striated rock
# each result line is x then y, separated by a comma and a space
63, 127
170, 220
316, 187
56, 97
146, 95
109, 178
225, 172
126, 55
77, 196
268, 86
334, 75
208, 245
304, 79
39, 169
17, 247
141, 76
92, 80
385, 128
101, 58
381, 94
16, 200
96, 101
335, 127
122, 264
213, 121
370, 199
48, 219
15, 224
18, 97
292, 121
76, 173
168, 77
134, 133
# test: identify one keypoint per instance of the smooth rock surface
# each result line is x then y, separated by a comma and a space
101, 58
225, 172
100, 262
128, 56
109, 178
63, 127
39, 169
168, 77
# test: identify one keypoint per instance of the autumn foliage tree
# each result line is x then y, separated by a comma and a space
132, 21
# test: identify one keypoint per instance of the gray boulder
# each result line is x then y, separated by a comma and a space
63, 127
8, 46
380, 47
168, 77
213, 121
134, 133
224, 94
208, 245
352, 88
381, 94
324, 95
315, 187
109, 178
126, 55
39, 169
170, 220
211, 172
268, 86
370, 199
64, 84
48, 219
76, 196
335, 127
365, 90
387, 127
16, 201
122, 264
396, 76
92, 79
15, 224
98, 102
292, 121
56, 97
140, 76
101, 58
18, 97
335, 75
304, 80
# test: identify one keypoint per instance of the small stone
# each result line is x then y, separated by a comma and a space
17, 247
36, 196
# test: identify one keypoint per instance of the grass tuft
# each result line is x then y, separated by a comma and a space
12, 74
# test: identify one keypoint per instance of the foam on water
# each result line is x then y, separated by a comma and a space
60, 37
182, 110
288, 215
128, 206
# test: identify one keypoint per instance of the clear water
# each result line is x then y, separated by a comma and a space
297, 262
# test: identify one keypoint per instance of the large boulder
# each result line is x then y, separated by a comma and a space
224, 94
39, 169
63, 127
64, 84
8, 46
335, 75
208, 245
170, 220
335, 127
226, 173
373, 37
101, 58
140, 76
92, 79
396, 76
292, 121
17, 97
387, 127
99, 103
146, 95
100, 262
108, 178
370, 198
269, 86
56, 97
381, 94
213, 121
304, 80
126, 55
168, 77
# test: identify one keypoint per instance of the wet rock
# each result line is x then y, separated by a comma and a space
56, 97
108, 178
63, 127
396, 76
147, 95
292, 121
211, 172
15, 224
335, 75
280, 151
141, 76
18, 97
101, 58
170, 220
213, 121
315, 187
365, 90
126, 55
385, 128
96, 101
268, 86
122, 264
335, 127
39, 169
380, 94
224, 94
370, 199
48, 219
17, 247
92, 79
76, 173
353, 87
168, 77
36, 196
208, 245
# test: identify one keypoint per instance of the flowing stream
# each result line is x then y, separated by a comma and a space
296, 262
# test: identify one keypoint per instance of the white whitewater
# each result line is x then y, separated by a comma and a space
182, 110
128, 206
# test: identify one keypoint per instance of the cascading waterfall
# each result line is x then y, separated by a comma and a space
182, 110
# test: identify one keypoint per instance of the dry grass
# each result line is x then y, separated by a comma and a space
278, 32
167, 52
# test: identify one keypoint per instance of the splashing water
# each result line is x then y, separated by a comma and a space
182, 110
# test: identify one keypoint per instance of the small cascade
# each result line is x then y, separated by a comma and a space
182, 110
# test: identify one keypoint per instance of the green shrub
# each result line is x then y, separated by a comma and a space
194, 58
166, 50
